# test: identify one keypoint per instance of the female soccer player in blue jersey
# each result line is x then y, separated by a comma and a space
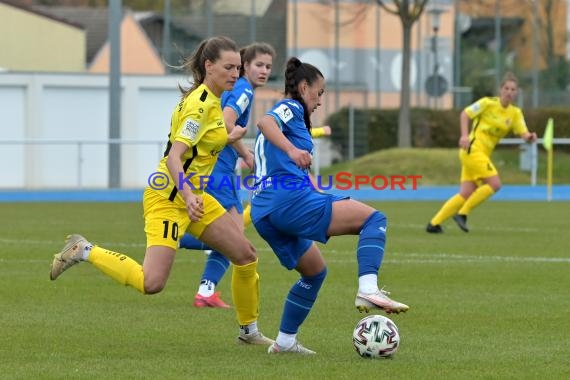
178, 204
492, 118
257, 61
290, 215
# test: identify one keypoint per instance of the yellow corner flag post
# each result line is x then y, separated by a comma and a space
547, 143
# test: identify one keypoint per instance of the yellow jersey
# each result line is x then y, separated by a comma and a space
492, 122
197, 121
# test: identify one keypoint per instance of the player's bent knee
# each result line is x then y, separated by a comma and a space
376, 220
320, 277
153, 286
245, 254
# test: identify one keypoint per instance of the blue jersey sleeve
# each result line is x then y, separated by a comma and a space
240, 99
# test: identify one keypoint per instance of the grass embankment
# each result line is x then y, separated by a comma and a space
439, 166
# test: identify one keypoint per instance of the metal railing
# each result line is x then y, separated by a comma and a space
80, 155
160, 144
533, 152
80, 144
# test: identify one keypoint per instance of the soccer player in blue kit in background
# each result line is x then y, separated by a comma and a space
290, 215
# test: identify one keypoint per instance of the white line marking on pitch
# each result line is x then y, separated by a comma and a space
497, 229
393, 257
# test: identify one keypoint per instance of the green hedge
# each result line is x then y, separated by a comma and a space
375, 130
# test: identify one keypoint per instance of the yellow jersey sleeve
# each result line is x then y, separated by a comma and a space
317, 132
475, 109
193, 123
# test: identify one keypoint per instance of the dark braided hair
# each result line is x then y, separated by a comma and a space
296, 72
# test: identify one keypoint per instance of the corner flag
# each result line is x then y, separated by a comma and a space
548, 135
547, 143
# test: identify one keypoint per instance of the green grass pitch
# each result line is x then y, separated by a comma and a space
490, 304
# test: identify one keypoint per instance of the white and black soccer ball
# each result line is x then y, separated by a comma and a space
375, 337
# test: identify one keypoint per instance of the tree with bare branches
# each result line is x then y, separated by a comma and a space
409, 11
555, 74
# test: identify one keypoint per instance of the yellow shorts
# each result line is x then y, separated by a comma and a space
476, 166
165, 222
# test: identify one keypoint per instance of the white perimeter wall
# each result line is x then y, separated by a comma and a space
64, 109
54, 129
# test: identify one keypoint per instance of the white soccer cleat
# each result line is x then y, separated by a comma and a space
379, 300
255, 339
297, 348
71, 254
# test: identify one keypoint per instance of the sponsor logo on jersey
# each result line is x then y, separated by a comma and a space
214, 152
243, 102
190, 129
284, 113
475, 107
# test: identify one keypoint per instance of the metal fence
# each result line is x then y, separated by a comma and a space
528, 158
77, 171
75, 153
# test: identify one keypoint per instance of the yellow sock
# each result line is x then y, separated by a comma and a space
247, 216
479, 196
245, 292
448, 209
119, 267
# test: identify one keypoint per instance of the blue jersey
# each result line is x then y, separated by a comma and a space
224, 186
240, 100
278, 178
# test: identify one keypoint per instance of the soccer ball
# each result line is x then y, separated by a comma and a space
376, 337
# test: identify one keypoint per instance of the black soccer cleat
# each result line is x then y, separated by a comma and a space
434, 229
461, 221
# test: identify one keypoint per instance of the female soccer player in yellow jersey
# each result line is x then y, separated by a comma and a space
492, 118
178, 204
257, 62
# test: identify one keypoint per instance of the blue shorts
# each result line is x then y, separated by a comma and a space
228, 196
290, 230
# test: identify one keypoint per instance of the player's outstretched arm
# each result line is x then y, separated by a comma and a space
317, 132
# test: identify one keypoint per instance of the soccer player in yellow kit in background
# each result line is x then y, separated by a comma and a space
176, 203
492, 119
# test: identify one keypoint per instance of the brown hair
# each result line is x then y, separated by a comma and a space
296, 72
251, 51
209, 49
509, 77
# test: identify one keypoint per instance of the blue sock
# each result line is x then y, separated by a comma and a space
190, 242
370, 251
300, 301
215, 268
